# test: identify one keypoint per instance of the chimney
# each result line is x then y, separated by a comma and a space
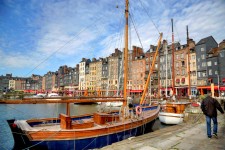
222, 45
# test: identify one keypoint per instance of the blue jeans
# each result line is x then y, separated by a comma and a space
215, 125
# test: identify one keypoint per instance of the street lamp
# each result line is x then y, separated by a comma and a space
218, 78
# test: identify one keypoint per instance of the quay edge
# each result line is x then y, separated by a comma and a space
188, 135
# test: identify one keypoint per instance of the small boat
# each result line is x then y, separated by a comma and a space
172, 112
114, 104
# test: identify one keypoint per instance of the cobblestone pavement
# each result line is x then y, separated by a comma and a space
187, 136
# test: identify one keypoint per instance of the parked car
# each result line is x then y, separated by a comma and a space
53, 95
41, 95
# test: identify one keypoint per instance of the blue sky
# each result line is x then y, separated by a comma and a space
38, 36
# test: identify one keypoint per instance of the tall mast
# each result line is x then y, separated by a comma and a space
173, 75
159, 93
189, 80
126, 53
166, 69
152, 68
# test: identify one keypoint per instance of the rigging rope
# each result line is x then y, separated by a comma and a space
136, 31
177, 33
149, 16
68, 42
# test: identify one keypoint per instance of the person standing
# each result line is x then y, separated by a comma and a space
209, 107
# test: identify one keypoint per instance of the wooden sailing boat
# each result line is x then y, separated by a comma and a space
86, 131
173, 112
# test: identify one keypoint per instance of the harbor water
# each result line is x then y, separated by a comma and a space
28, 111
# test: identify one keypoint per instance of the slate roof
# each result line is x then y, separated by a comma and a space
205, 40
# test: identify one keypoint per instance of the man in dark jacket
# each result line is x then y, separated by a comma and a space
209, 107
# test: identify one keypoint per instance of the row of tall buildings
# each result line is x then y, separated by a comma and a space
104, 76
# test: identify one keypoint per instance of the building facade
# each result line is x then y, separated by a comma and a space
202, 49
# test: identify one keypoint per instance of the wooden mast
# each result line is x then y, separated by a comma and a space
173, 75
189, 80
152, 68
68, 109
159, 93
126, 53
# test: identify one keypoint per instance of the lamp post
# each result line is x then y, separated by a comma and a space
218, 78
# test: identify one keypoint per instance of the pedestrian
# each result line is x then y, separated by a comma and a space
223, 105
209, 107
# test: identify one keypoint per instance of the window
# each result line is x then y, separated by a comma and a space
193, 57
202, 49
209, 63
198, 59
210, 80
216, 72
203, 74
193, 64
203, 56
203, 64
177, 56
183, 63
222, 54
199, 74
210, 71
215, 63
194, 73
198, 66
182, 55
183, 71
177, 64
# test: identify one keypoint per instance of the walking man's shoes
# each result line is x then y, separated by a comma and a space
215, 135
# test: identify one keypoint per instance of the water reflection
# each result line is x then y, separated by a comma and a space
28, 111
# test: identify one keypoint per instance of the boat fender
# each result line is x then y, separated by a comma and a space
138, 110
14, 125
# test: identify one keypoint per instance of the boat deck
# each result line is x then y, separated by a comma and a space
56, 126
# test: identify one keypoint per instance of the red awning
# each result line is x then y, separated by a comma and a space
222, 88
223, 80
136, 91
177, 80
183, 80
208, 87
209, 79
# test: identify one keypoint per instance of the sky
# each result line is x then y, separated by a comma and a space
38, 36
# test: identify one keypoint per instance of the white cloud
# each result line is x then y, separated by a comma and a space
58, 23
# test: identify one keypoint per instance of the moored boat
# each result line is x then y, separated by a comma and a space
85, 132
172, 113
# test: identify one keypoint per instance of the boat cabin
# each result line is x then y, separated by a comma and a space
175, 108
99, 118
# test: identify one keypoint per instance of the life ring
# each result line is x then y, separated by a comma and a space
138, 110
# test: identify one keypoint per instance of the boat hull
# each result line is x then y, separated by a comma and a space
23, 140
171, 118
